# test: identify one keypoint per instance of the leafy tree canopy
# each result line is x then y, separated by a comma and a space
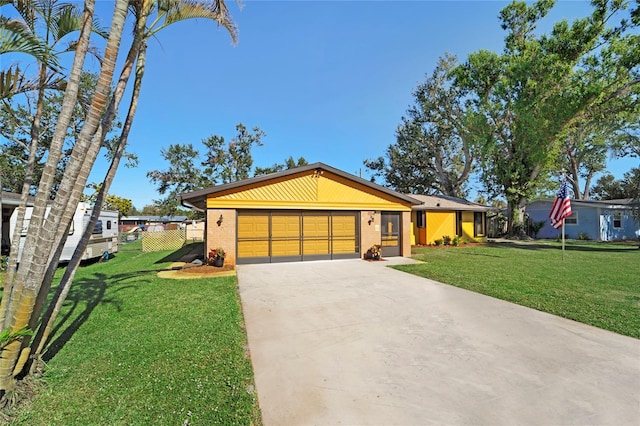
222, 162
433, 151
523, 103
610, 188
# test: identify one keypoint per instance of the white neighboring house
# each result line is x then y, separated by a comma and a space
104, 238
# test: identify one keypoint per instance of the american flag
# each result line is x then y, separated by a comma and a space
561, 206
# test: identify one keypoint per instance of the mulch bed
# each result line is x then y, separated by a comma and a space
206, 269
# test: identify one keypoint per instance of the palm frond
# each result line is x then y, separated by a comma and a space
14, 82
16, 37
178, 10
94, 51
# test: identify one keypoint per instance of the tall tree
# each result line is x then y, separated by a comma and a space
232, 161
610, 188
522, 102
289, 163
21, 289
183, 175
16, 121
59, 20
166, 13
433, 151
223, 162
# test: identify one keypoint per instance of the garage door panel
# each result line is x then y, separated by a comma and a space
253, 226
253, 235
315, 235
343, 245
285, 247
343, 232
253, 248
315, 246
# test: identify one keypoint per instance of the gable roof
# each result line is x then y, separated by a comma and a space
611, 204
198, 199
446, 202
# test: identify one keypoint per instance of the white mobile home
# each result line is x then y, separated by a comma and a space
104, 238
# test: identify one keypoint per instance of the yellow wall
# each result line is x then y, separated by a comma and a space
306, 191
440, 224
467, 225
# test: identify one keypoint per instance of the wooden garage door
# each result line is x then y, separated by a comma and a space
343, 232
285, 236
253, 235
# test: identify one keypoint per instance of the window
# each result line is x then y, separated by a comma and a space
98, 228
108, 224
572, 219
421, 219
617, 220
478, 223
459, 224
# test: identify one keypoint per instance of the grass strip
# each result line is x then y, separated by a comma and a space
132, 348
596, 283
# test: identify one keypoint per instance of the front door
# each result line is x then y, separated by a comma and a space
391, 233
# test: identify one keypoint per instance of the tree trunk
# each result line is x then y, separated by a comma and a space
138, 47
21, 297
26, 188
27, 281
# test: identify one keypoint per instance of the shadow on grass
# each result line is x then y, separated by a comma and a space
185, 254
569, 246
87, 292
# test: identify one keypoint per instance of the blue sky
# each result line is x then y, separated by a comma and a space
326, 80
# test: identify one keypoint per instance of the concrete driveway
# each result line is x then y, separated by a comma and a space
356, 343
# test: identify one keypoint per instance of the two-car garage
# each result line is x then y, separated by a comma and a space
286, 236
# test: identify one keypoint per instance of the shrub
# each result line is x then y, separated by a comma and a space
456, 241
4, 261
446, 239
375, 251
536, 226
438, 242
584, 236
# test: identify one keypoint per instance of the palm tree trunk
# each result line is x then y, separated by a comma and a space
65, 284
26, 187
25, 283
138, 47
48, 176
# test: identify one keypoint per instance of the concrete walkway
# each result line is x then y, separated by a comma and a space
355, 343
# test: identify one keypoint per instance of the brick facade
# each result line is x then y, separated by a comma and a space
369, 230
221, 232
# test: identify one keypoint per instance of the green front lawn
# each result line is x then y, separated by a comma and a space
597, 283
132, 348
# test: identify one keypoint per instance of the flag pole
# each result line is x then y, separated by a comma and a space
563, 239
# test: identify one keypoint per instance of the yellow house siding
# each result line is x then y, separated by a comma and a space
440, 224
307, 192
467, 225
405, 249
